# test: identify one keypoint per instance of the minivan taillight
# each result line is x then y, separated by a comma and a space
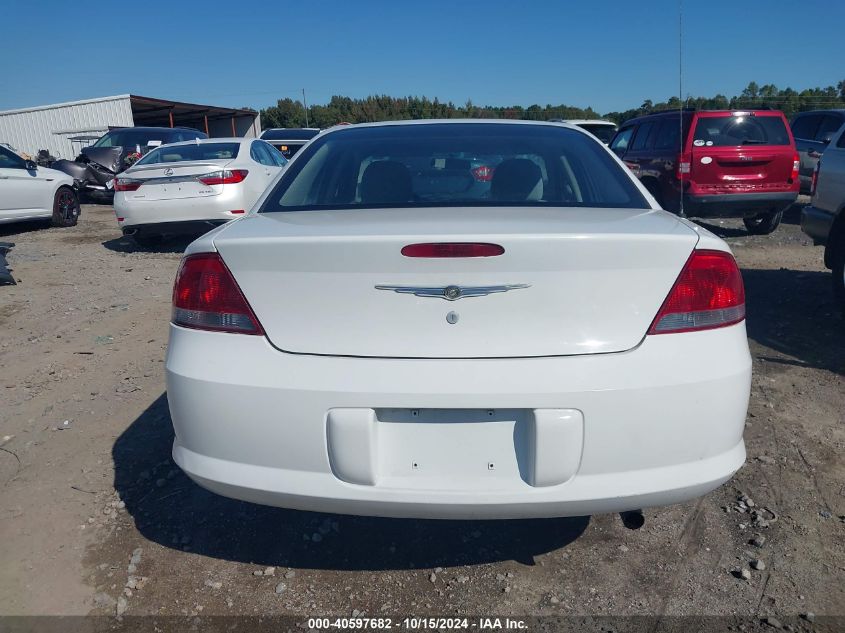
207, 297
224, 177
707, 294
684, 167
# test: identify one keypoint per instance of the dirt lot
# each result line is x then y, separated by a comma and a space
88, 480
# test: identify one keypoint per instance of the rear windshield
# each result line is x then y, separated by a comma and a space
603, 132
454, 164
721, 131
193, 151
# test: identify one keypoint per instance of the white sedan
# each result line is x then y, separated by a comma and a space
395, 331
193, 186
29, 192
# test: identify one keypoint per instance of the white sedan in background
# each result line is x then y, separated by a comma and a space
29, 192
386, 335
193, 186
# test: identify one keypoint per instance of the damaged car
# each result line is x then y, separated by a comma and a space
94, 170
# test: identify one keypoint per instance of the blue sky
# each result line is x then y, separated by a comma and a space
607, 55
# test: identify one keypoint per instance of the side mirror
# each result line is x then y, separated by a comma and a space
30, 166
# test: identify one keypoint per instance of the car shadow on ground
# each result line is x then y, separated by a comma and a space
16, 228
171, 510
794, 313
169, 245
792, 215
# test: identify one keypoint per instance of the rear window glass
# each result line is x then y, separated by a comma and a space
721, 131
193, 151
454, 164
603, 132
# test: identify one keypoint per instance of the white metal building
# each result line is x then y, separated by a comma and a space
52, 127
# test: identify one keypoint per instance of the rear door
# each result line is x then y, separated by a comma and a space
740, 152
804, 128
23, 193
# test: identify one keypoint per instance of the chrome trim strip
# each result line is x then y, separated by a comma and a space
452, 293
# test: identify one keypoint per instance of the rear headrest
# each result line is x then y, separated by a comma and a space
386, 181
517, 179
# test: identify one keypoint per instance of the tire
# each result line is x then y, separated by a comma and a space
764, 223
65, 208
147, 240
838, 260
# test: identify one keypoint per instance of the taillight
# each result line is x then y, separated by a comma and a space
708, 294
452, 249
207, 297
126, 184
684, 167
224, 177
815, 181
483, 173
796, 163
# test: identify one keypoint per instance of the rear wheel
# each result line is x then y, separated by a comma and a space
65, 207
764, 223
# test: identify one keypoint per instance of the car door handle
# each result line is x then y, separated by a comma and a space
813, 153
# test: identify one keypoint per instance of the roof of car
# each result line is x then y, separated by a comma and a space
204, 141
290, 133
588, 122
825, 111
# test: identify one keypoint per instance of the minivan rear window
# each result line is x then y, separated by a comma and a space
454, 164
733, 130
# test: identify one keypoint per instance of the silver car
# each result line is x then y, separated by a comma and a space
823, 219
813, 131
193, 186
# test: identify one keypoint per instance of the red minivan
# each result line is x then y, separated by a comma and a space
715, 163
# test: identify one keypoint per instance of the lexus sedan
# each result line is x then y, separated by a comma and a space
375, 340
192, 187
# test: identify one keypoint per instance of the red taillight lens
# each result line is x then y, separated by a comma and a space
452, 249
796, 163
224, 177
207, 297
684, 167
126, 184
708, 294
815, 181
483, 173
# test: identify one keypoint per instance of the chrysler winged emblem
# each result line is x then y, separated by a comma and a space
452, 293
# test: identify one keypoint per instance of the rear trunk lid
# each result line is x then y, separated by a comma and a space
583, 281
740, 153
171, 181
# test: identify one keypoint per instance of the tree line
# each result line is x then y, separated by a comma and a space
291, 113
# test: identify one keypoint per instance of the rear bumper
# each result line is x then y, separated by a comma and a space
188, 227
145, 214
816, 223
737, 205
659, 424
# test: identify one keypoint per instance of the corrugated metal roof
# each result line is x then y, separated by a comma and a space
49, 127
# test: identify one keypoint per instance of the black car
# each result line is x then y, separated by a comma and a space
289, 140
812, 131
93, 171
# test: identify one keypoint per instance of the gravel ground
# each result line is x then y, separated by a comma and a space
95, 517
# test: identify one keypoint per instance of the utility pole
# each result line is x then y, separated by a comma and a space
305, 105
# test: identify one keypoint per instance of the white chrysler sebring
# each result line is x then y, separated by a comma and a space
463, 319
